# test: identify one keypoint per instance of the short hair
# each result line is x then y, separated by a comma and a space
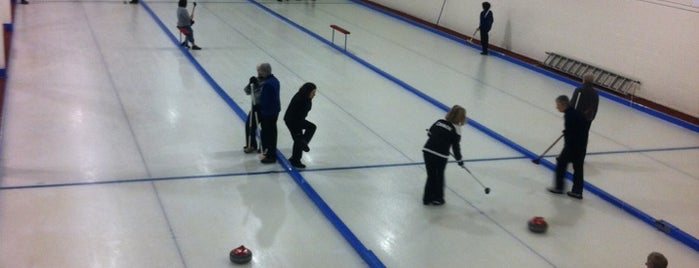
182, 3
588, 77
265, 69
456, 115
656, 260
486, 5
563, 99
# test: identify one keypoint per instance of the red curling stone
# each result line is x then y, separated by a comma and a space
538, 225
241, 255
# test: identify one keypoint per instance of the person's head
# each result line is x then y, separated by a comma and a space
308, 89
656, 260
264, 70
182, 3
486, 5
562, 103
457, 115
588, 78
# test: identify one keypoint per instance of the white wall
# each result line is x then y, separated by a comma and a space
654, 41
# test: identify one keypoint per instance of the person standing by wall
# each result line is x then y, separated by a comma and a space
484, 26
443, 135
573, 149
270, 107
184, 24
295, 118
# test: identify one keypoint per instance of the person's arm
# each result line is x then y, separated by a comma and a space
456, 147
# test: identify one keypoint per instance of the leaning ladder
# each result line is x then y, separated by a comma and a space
602, 77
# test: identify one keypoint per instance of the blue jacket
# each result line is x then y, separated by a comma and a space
269, 98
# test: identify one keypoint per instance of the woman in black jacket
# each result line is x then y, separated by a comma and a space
443, 135
295, 118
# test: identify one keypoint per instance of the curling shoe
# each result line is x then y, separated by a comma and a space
554, 190
268, 160
574, 195
296, 163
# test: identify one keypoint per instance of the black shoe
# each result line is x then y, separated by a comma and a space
24, 2
133, 2
574, 195
484, 53
268, 160
195, 47
305, 147
184, 44
296, 163
554, 190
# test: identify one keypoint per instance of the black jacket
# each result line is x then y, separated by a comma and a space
443, 135
586, 99
299, 106
574, 132
486, 21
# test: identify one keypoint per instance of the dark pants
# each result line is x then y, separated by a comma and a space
577, 157
251, 127
484, 42
434, 187
588, 125
302, 133
268, 135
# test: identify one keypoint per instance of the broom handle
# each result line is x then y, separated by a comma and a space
193, 8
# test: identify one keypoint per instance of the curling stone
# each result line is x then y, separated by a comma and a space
241, 255
538, 225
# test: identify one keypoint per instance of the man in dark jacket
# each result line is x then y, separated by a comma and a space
295, 118
585, 100
484, 26
270, 107
573, 149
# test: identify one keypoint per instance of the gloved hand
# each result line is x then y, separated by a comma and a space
253, 80
460, 162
